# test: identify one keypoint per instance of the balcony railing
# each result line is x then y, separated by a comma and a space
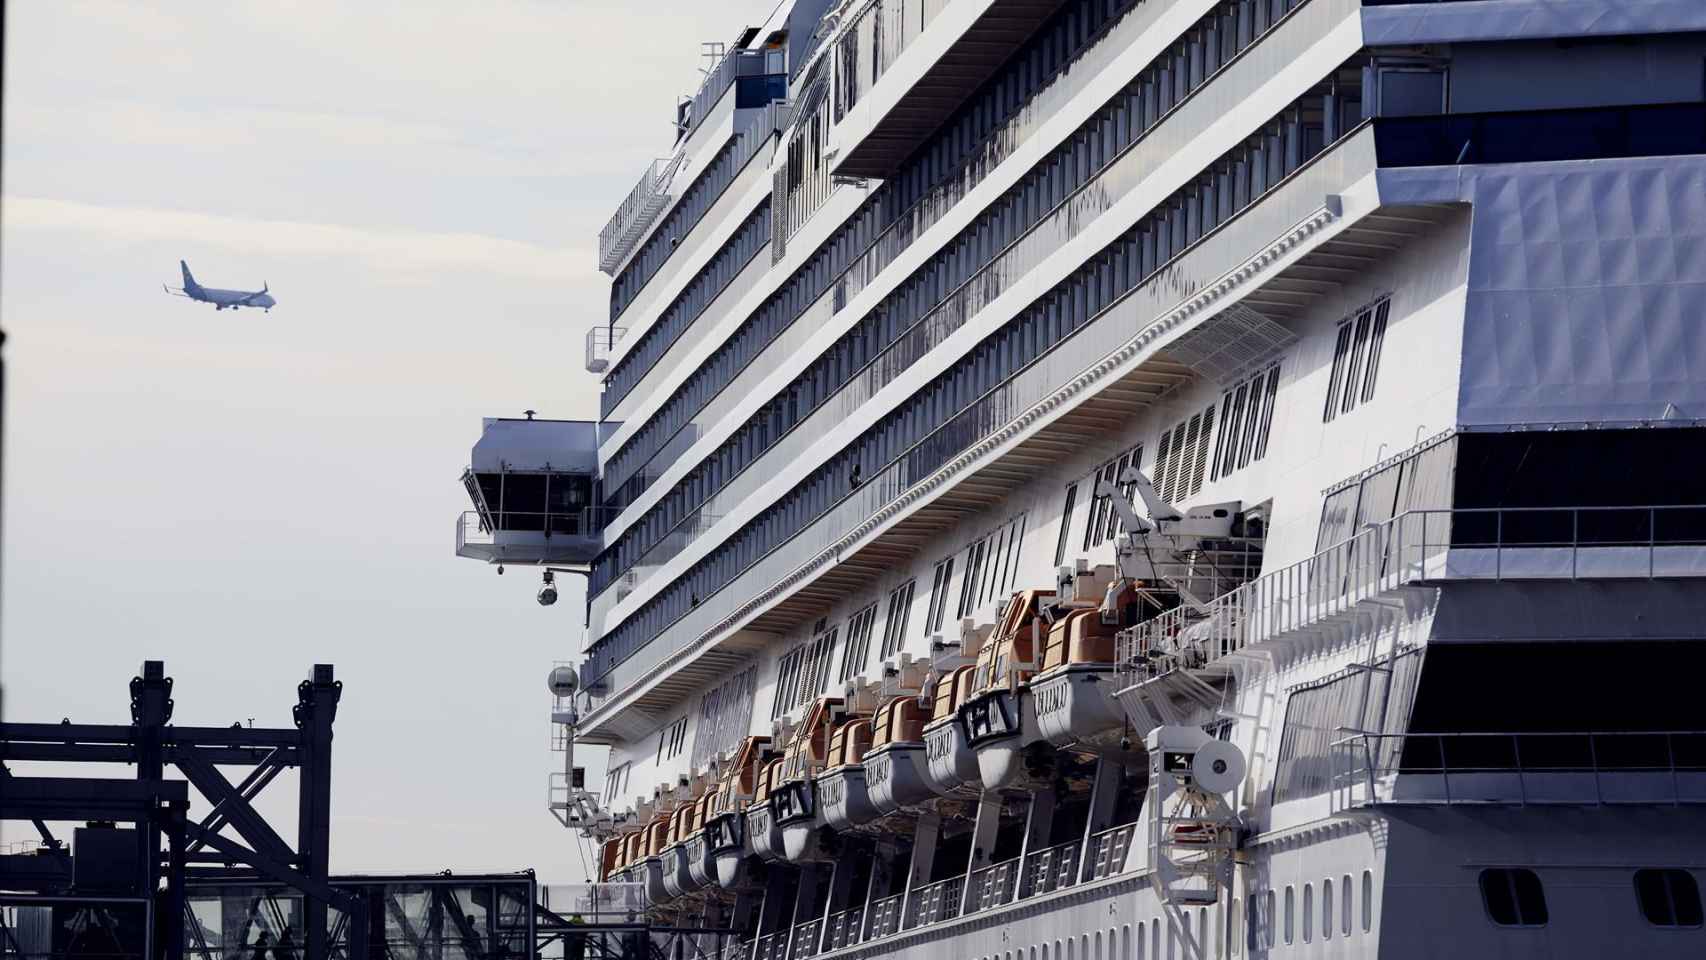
934, 902
993, 885
1050, 869
885, 915
772, 946
806, 938
844, 928
1422, 547
1593, 768
601, 342
1108, 850
637, 211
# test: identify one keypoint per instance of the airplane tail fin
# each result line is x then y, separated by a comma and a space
189, 280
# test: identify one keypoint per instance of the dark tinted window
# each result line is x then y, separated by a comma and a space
1668, 898
1513, 897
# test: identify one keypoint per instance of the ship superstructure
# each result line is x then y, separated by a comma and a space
1149, 478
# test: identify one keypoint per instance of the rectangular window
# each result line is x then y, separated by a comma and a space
815, 676
939, 586
1376, 339
1102, 523
1356, 359
616, 783
1668, 898
894, 625
858, 643
671, 739
975, 555
1247, 414
787, 681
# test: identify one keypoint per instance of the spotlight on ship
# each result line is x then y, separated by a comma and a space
548, 591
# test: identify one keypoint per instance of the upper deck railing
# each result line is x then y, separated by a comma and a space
1421, 547
637, 211
873, 40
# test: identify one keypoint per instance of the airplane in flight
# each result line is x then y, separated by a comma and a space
221, 298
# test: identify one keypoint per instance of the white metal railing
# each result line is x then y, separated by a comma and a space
1421, 547
934, 902
771, 946
1551, 768
993, 885
601, 342
885, 915
1108, 850
805, 939
1049, 869
844, 928
637, 211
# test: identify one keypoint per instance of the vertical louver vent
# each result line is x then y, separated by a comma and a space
1181, 458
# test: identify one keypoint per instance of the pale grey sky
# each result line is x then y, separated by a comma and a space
242, 495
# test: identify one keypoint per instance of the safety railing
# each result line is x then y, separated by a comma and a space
601, 342
1049, 869
806, 938
844, 928
1550, 768
1108, 850
1423, 547
992, 886
934, 902
771, 946
885, 915
637, 211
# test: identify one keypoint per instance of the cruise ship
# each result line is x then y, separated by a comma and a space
1082, 479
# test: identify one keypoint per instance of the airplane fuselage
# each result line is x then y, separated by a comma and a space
230, 298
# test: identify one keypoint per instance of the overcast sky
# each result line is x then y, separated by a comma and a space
242, 495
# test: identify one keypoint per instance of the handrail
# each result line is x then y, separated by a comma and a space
886, 914
1108, 850
1366, 766
1049, 869
934, 902
993, 885
1419, 546
844, 928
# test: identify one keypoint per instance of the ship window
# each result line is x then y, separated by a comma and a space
973, 578
894, 624
1513, 897
1356, 359
1308, 912
1327, 909
858, 642
671, 739
1668, 898
1181, 458
1290, 912
616, 783
939, 584
1142, 946
1345, 910
1411, 93
1367, 900
1246, 414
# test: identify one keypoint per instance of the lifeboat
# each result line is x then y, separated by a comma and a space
762, 830
609, 859
897, 770
794, 797
651, 866
952, 764
842, 792
725, 826
997, 712
701, 866
683, 824
630, 851
1073, 694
